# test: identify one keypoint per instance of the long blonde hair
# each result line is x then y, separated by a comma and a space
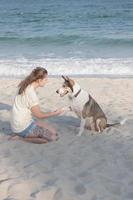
37, 73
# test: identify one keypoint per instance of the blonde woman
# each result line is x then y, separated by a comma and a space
26, 107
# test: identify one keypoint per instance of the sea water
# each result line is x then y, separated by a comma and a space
73, 37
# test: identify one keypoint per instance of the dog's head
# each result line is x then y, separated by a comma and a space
67, 86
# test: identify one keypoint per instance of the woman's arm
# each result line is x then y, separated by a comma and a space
40, 115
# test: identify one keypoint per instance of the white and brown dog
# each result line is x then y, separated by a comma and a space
86, 108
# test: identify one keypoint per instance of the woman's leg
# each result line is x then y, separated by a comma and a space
41, 132
31, 139
34, 140
48, 127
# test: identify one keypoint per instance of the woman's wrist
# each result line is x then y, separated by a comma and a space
48, 114
55, 112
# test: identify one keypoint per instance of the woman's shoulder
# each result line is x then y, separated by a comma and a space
30, 91
30, 88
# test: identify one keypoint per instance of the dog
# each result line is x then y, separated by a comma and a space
86, 108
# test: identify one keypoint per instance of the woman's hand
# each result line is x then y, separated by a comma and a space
41, 115
59, 111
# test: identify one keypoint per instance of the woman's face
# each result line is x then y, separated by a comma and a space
43, 81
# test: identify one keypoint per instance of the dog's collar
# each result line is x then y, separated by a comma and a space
77, 93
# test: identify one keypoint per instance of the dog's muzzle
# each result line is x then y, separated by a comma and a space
61, 92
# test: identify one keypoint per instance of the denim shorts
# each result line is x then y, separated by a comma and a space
28, 130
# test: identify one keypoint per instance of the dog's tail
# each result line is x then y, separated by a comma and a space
108, 125
123, 121
117, 123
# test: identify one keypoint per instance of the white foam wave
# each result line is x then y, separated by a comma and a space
98, 66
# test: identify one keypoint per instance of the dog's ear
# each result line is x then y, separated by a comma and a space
65, 78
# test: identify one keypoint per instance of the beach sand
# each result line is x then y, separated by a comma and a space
90, 167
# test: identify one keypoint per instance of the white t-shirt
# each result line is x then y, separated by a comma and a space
21, 116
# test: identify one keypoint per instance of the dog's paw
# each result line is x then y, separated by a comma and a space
64, 110
67, 109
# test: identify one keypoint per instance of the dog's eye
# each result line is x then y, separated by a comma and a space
63, 86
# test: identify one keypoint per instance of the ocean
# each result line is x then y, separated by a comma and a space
73, 37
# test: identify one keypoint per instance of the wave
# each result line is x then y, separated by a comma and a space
70, 39
43, 40
112, 66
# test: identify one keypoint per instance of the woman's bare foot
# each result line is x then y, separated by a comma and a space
14, 137
9, 137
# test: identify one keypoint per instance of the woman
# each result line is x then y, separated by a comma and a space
26, 105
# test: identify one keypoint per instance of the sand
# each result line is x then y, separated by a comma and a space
91, 167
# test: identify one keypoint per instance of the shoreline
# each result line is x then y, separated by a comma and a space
102, 76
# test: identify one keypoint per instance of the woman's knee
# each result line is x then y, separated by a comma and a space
46, 126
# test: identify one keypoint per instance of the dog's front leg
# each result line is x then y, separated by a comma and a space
82, 125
